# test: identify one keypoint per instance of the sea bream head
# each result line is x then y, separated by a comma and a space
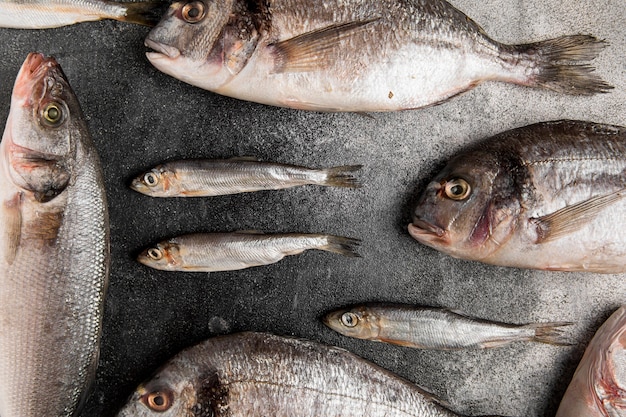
42, 129
469, 210
191, 40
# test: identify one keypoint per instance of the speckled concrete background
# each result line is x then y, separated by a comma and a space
139, 117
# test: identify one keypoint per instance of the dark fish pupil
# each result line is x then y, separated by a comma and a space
194, 12
53, 114
457, 190
159, 400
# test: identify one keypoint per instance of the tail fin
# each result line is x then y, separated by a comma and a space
558, 64
551, 333
147, 13
345, 246
342, 176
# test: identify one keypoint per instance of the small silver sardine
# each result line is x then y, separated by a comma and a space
435, 328
203, 177
355, 55
255, 374
598, 388
43, 14
54, 248
210, 252
545, 196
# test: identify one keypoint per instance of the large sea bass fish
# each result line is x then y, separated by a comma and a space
54, 248
546, 196
355, 55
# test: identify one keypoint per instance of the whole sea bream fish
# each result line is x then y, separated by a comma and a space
598, 388
255, 374
436, 328
211, 252
43, 14
54, 248
206, 177
355, 55
545, 196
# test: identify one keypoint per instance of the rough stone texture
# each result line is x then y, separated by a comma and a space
139, 117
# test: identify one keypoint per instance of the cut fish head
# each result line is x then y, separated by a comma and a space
464, 210
354, 322
186, 42
164, 256
43, 127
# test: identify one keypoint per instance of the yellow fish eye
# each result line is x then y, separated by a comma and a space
194, 12
158, 400
457, 189
154, 253
151, 179
349, 319
52, 114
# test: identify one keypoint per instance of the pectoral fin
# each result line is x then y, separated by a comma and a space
12, 215
315, 50
571, 218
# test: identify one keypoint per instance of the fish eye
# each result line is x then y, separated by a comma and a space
158, 400
52, 114
151, 179
349, 319
457, 189
154, 253
194, 12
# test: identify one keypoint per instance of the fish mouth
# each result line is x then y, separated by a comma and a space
160, 50
426, 232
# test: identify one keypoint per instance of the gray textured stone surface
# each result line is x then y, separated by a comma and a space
139, 117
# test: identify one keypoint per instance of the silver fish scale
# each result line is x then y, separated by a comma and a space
51, 305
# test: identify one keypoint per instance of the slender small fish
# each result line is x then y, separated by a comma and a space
436, 328
546, 196
204, 177
598, 388
209, 252
44, 14
355, 55
256, 374
54, 248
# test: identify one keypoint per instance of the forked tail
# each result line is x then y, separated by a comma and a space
551, 333
147, 13
342, 176
560, 64
342, 245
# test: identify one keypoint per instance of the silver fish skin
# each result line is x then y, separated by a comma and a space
211, 252
45, 14
545, 196
205, 177
54, 248
598, 388
255, 374
436, 328
355, 55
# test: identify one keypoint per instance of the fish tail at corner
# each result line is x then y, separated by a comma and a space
147, 13
552, 333
561, 64
345, 246
343, 176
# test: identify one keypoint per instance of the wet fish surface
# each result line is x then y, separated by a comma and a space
211, 252
204, 177
435, 328
54, 248
355, 55
545, 196
598, 388
44, 14
255, 374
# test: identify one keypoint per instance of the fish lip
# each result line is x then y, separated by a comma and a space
161, 50
428, 233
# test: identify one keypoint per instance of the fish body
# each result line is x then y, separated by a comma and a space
545, 196
43, 14
203, 177
255, 374
598, 388
435, 328
54, 248
210, 252
354, 55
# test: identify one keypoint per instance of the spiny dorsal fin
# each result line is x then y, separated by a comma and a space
571, 218
314, 50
